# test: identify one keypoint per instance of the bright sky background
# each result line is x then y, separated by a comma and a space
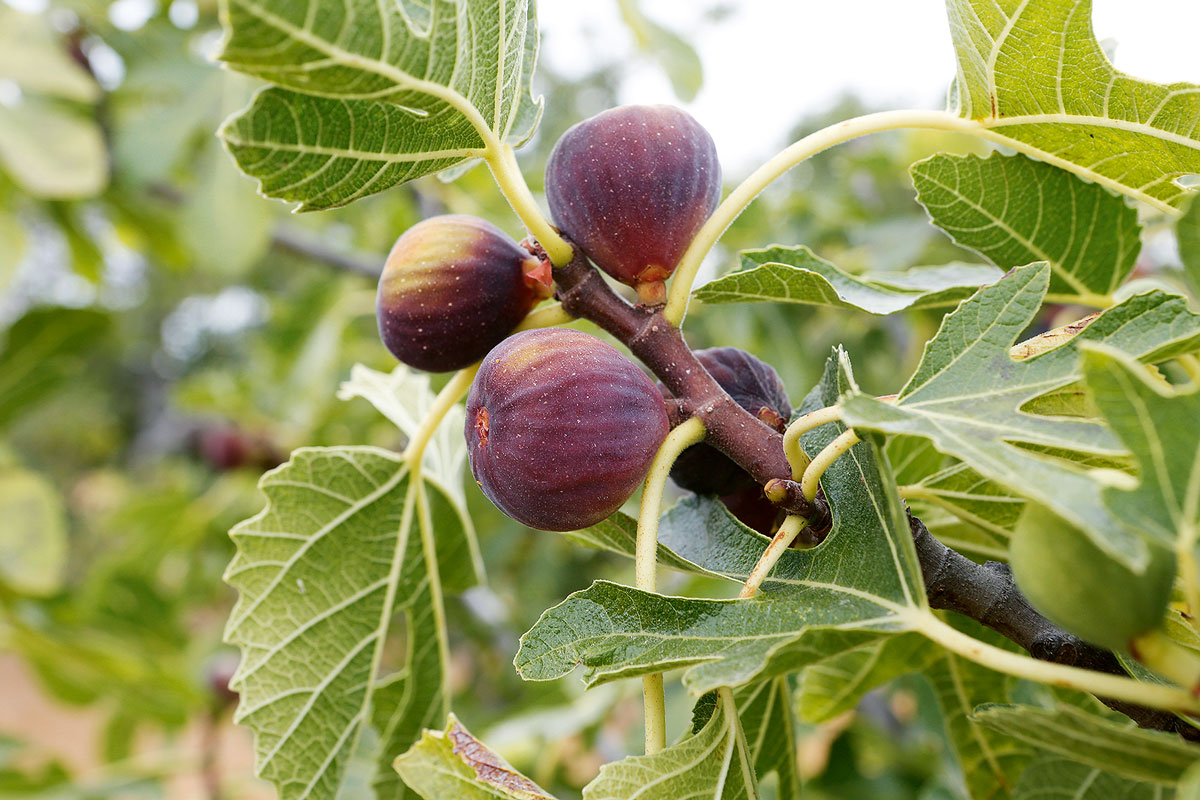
770, 61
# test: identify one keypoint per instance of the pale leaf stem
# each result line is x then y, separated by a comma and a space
791, 437
1154, 695
782, 540
751, 187
821, 462
645, 558
503, 163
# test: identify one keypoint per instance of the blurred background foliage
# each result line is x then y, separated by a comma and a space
166, 335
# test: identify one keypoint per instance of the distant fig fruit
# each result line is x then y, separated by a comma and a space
452, 288
632, 186
756, 387
561, 428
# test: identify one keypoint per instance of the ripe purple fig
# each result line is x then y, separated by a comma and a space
561, 428
756, 387
452, 288
631, 186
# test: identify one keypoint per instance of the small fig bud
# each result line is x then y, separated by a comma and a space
453, 287
561, 428
756, 387
631, 186
1084, 590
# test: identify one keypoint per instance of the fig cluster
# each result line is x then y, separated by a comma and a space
561, 428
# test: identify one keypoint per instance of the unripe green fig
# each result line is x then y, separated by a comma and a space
1082, 589
561, 428
755, 386
632, 186
452, 288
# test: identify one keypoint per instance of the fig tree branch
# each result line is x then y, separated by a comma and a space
953, 582
754, 445
988, 594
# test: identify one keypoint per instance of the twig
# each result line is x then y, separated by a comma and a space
754, 445
984, 593
309, 246
987, 594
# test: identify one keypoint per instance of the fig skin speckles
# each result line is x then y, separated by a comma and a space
452, 288
631, 186
561, 428
753, 385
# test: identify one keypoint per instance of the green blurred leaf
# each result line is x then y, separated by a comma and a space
33, 55
51, 151
990, 761
1117, 747
12, 247
1014, 211
419, 88
796, 275
1034, 76
676, 57
43, 350
715, 762
33, 538
836, 681
453, 763
968, 394
225, 226
320, 572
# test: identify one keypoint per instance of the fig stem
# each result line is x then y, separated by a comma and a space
446, 399
782, 540
645, 561
811, 480
547, 316
502, 161
791, 437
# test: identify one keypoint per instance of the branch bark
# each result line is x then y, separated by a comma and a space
985, 593
988, 594
754, 445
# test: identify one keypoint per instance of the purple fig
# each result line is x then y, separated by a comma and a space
452, 288
561, 428
751, 508
631, 186
756, 387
